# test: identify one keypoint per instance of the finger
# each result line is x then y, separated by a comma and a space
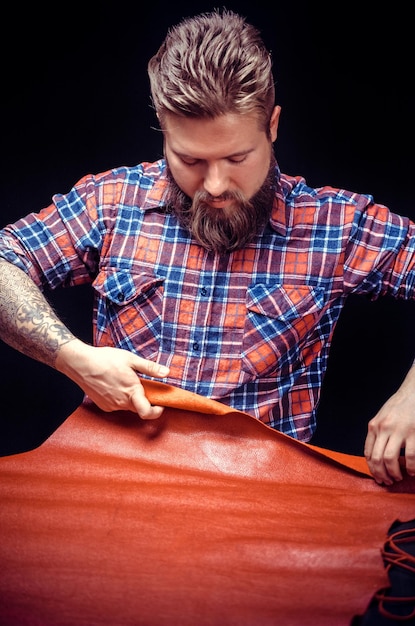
369, 443
391, 456
410, 457
144, 366
142, 406
383, 461
374, 453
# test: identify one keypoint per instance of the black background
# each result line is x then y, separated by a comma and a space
75, 99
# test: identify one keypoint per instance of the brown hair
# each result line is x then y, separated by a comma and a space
210, 65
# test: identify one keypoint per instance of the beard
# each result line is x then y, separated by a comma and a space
227, 229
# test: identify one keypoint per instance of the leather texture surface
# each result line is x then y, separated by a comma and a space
205, 516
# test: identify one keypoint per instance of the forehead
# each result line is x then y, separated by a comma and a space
204, 137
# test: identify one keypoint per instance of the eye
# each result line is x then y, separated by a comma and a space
238, 159
189, 162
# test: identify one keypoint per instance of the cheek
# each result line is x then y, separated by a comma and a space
249, 181
256, 175
186, 179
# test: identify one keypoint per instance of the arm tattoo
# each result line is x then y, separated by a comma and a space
27, 321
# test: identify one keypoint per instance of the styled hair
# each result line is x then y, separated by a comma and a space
210, 65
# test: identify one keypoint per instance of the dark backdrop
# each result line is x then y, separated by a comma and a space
75, 99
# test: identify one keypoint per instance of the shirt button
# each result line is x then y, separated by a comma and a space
120, 296
196, 346
203, 291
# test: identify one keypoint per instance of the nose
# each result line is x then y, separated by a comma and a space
215, 181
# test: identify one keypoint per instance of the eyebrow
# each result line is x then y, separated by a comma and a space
240, 153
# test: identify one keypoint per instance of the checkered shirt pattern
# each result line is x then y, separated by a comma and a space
251, 328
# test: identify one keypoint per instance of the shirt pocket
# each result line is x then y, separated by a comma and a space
129, 309
281, 320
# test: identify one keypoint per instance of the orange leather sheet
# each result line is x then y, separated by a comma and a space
204, 517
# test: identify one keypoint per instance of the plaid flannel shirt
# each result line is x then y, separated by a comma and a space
251, 328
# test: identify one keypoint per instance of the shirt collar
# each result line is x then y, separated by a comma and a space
155, 198
278, 218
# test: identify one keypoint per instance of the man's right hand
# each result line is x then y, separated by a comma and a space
110, 376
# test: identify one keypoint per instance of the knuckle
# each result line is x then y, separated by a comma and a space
410, 457
389, 458
375, 461
372, 427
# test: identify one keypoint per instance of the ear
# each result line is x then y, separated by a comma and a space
273, 125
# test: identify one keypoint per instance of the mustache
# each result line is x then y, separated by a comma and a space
205, 197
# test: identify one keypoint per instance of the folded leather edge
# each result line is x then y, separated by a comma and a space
162, 394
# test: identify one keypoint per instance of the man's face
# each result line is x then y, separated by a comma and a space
218, 166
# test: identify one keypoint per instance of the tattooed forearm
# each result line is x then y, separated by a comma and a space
27, 321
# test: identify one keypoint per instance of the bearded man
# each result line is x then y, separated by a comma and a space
211, 269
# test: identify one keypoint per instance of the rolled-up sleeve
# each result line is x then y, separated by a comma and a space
380, 257
59, 246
